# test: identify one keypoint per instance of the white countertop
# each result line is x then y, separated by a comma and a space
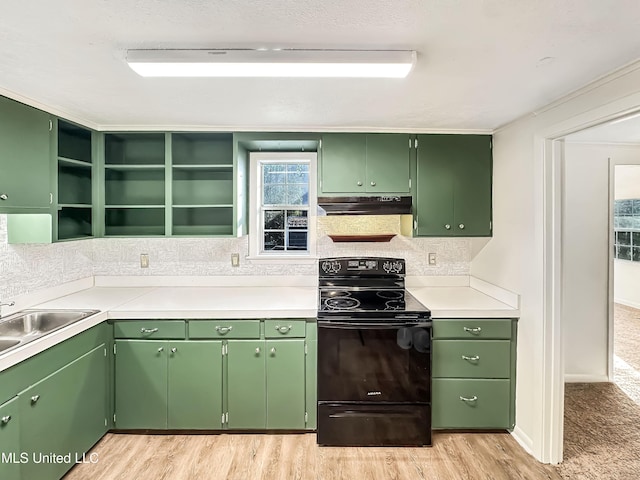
278, 301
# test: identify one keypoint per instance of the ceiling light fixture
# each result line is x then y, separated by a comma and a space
272, 63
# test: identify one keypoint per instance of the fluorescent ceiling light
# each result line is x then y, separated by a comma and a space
272, 63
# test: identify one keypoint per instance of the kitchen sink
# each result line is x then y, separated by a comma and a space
27, 325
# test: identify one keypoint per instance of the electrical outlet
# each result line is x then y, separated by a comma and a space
235, 259
432, 259
144, 260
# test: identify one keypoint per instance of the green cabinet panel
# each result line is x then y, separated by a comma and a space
285, 384
10, 440
311, 368
150, 329
471, 358
71, 407
24, 157
453, 192
141, 384
284, 328
372, 163
470, 403
246, 384
472, 328
194, 385
224, 329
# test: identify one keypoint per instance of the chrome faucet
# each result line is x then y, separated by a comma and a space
8, 304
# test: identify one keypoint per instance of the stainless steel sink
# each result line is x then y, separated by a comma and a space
27, 325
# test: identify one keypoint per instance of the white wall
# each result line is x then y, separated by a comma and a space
515, 258
626, 273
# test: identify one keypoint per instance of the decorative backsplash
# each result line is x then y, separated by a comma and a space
26, 268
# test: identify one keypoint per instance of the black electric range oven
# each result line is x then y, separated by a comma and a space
374, 356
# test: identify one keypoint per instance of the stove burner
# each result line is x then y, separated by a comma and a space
394, 305
341, 303
390, 294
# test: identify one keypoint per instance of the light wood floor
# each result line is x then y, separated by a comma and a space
454, 456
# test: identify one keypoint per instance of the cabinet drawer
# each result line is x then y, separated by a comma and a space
469, 403
472, 358
472, 328
155, 329
224, 328
287, 327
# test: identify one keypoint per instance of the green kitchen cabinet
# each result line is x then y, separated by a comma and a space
10, 440
453, 188
285, 384
246, 384
168, 384
24, 158
371, 164
71, 406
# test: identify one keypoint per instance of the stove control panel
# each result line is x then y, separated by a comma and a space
361, 266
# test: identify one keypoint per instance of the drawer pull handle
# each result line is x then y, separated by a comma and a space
223, 330
273, 351
161, 349
148, 330
35, 399
6, 419
475, 358
469, 400
4, 196
472, 330
283, 328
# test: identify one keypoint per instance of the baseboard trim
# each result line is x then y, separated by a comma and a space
524, 440
585, 378
627, 303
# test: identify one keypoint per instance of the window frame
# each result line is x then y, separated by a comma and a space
256, 210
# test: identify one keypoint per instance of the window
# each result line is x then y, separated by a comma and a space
626, 225
283, 205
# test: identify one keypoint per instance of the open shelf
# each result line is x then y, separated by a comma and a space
202, 148
134, 149
74, 222
74, 183
202, 220
202, 186
74, 142
134, 221
134, 187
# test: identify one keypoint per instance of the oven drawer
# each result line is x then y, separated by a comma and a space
283, 328
152, 329
472, 358
470, 403
352, 424
224, 328
471, 328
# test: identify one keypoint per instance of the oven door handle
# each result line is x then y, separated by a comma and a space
371, 325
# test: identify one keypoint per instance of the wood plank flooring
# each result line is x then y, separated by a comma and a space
454, 456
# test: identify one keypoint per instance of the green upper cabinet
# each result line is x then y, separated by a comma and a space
24, 158
453, 188
372, 163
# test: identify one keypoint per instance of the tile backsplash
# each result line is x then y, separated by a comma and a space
26, 268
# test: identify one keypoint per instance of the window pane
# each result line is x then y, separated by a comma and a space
297, 240
624, 253
626, 207
297, 219
274, 220
635, 238
636, 254
270, 178
636, 206
273, 241
274, 195
624, 238
297, 194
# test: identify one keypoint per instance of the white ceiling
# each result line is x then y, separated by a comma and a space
481, 63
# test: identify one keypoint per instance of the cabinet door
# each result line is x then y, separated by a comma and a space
195, 385
9, 441
64, 414
434, 185
24, 156
343, 163
472, 186
388, 163
246, 384
141, 384
285, 384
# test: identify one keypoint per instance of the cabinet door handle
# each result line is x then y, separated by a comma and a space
174, 350
283, 328
472, 329
461, 226
4, 196
161, 349
273, 351
6, 419
223, 330
359, 183
373, 184
475, 358
148, 330
35, 399
468, 400
258, 351
447, 226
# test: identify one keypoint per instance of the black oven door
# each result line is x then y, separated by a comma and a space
371, 361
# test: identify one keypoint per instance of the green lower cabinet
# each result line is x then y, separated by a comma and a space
285, 384
246, 384
63, 414
470, 403
9, 440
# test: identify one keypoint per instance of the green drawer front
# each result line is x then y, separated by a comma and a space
484, 403
224, 328
472, 328
287, 327
482, 359
152, 329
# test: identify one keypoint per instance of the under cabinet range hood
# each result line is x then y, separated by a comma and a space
383, 205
